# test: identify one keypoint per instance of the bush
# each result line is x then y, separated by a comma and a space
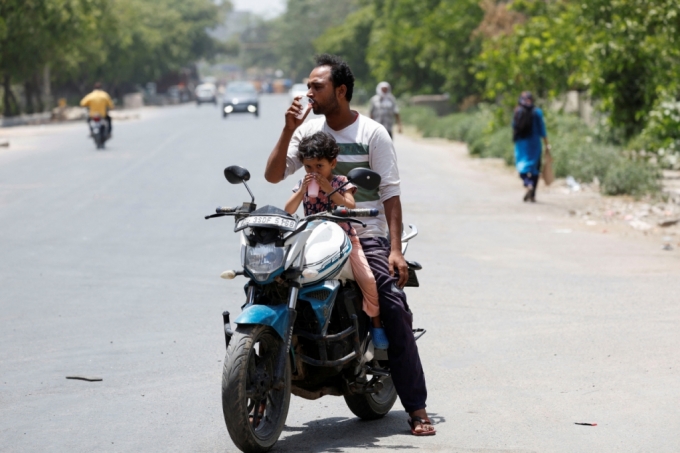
661, 137
627, 177
576, 150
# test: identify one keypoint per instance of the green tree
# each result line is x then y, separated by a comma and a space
635, 53
351, 41
117, 41
624, 52
287, 41
32, 32
547, 54
426, 46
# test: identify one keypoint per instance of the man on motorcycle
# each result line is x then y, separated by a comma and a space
99, 103
364, 143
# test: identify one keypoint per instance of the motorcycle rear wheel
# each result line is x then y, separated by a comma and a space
372, 406
247, 381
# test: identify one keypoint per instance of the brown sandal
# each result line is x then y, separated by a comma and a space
423, 422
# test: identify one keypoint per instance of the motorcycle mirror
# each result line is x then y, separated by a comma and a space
236, 174
364, 178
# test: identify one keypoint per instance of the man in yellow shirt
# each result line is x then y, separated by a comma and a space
99, 103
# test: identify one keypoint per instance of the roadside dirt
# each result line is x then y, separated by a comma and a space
654, 219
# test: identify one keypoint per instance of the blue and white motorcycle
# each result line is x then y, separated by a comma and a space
302, 329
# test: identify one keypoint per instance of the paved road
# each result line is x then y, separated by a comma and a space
109, 269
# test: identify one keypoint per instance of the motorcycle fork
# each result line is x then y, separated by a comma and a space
280, 370
228, 333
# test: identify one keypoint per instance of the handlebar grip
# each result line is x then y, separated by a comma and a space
344, 212
224, 210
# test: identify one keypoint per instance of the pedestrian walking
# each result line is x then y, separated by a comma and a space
528, 130
384, 108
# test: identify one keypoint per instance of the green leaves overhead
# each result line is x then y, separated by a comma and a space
420, 46
625, 53
116, 41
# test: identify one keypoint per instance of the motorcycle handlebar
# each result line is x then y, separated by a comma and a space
344, 212
224, 210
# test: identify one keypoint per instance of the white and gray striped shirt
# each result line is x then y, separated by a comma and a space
364, 143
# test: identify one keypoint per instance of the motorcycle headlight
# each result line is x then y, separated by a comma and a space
263, 260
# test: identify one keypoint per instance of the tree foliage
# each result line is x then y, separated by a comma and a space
120, 42
287, 41
625, 53
351, 41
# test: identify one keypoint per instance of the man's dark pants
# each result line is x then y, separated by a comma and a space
406, 369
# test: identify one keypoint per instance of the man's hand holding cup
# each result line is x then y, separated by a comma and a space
297, 113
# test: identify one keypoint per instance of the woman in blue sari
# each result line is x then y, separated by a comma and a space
528, 131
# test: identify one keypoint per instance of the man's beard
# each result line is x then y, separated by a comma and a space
325, 109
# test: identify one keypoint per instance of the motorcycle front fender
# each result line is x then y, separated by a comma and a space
276, 317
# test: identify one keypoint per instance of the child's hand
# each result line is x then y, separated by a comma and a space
324, 184
305, 182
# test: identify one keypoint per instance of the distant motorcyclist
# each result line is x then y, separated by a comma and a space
99, 103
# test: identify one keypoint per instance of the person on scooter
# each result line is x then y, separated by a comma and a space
364, 143
99, 103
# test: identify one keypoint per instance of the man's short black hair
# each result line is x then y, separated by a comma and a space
341, 74
318, 146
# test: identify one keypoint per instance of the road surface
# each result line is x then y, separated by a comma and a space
109, 269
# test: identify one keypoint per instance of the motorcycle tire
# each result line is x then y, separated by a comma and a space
372, 406
247, 388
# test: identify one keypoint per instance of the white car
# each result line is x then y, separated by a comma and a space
206, 92
299, 89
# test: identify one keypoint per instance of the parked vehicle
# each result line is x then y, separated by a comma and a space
240, 97
99, 130
302, 329
206, 93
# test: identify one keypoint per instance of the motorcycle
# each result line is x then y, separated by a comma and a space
99, 130
302, 330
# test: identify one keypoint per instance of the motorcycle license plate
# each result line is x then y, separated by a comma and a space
265, 221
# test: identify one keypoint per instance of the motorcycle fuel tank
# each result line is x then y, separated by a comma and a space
326, 252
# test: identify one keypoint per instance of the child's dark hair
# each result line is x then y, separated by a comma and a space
318, 146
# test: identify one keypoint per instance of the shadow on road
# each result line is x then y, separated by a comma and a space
335, 434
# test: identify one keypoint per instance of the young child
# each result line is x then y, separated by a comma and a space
318, 154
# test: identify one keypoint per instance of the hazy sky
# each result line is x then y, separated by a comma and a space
267, 8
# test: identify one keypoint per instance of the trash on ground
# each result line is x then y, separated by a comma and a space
586, 424
85, 378
667, 247
573, 185
4, 143
667, 223
640, 225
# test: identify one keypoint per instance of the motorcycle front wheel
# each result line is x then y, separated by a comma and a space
254, 411
372, 406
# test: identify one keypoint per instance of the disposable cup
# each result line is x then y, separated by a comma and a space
304, 102
313, 189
